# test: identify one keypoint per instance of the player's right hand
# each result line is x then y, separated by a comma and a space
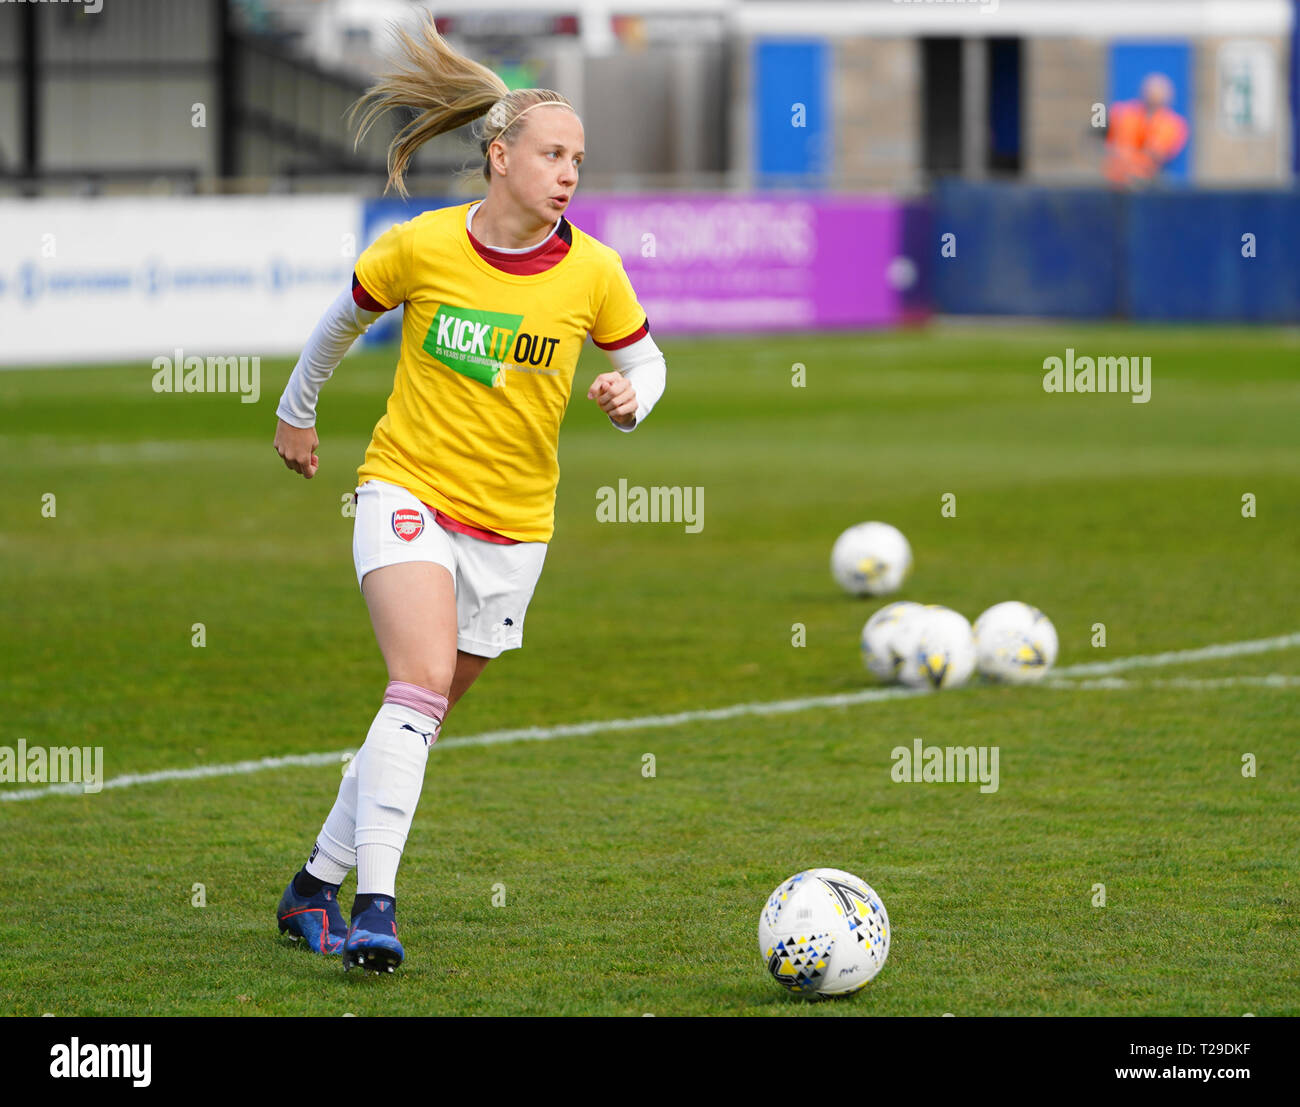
297, 446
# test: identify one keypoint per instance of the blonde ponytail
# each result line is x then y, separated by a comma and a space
447, 90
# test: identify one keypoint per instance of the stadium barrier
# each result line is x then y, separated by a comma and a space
105, 280
705, 263
1024, 251
119, 279
1214, 257
1194, 256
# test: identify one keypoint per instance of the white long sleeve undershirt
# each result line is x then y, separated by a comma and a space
341, 325
641, 362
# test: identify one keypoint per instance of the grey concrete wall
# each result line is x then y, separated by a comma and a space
1222, 157
1061, 79
876, 92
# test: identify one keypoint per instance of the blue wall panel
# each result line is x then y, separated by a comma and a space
785, 73
1155, 256
1132, 61
1294, 90
1184, 256
1026, 251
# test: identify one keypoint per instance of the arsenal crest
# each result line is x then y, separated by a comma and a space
408, 524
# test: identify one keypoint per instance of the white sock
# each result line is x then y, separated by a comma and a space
335, 853
377, 869
389, 776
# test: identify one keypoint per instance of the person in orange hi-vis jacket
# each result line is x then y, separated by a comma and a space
1144, 135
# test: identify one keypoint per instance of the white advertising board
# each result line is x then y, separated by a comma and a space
108, 280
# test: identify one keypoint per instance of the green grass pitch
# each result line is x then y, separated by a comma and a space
628, 894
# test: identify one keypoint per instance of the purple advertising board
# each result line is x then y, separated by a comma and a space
775, 262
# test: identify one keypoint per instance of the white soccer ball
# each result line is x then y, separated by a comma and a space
881, 635
871, 559
823, 932
937, 647
1015, 643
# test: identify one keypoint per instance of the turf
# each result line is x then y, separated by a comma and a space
625, 893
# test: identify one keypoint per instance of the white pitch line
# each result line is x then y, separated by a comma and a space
1177, 657
1272, 680
653, 722
198, 772
488, 738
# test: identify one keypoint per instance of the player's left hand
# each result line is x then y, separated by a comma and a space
615, 395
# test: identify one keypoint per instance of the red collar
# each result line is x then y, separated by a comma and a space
537, 260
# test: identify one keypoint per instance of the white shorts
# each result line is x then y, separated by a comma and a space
494, 583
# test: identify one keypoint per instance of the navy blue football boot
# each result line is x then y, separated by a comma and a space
372, 938
315, 920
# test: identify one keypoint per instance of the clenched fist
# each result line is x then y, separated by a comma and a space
616, 397
297, 446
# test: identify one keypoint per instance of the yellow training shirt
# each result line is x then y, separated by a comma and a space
486, 368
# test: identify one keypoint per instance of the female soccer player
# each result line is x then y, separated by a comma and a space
456, 496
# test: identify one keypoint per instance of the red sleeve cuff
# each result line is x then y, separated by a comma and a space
363, 299
639, 333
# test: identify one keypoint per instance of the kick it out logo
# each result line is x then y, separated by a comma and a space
476, 344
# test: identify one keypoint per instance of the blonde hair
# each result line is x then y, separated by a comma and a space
447, 90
